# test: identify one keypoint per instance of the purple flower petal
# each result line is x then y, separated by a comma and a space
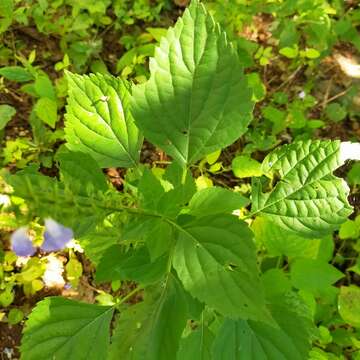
56, 236
21, 243
67, 286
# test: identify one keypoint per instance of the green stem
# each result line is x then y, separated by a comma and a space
129, 295
183, 179
84, 202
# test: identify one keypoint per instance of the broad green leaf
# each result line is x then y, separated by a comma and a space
275, 283
156, 198
184, 188
355, 268
150, 190
311, 53
197, 345
44, 87
62, 329
98, 66
335, 112
80, 170
315, 276
196, 92
251, 340
213, 157
216, 200
6, 13
281, 98
98, 120
47, 197
33, 269
6, 113
350, 229
215, 260
257, 86
276, 116
279, 241
159, 238
244, 166
203, 182
7, 296
6, 8
16, 73
46, 110
151, 330
349, 305
290, 52
15, 316
74, 270
136, 265
353, 176
39, 190
308, 198
137, 227
157, 33
98, 239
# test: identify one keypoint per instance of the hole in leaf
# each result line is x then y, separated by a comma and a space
231, 266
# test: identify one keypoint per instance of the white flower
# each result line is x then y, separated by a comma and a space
349, 66
4, 200
8, 352
302, 95
53, 273
349, 151
73, 244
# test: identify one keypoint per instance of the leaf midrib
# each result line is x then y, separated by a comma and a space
295, 191
108, 126
69, 338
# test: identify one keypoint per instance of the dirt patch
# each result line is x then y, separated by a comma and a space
10, 336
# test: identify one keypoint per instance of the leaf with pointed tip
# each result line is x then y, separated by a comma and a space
159, 238
215, 260
134, 264
98, 238
280, 241
151, 330
314, 275
154, 197
308, 198
196, 100
98, 120
64, 329
349, 305
186, 187
80, 170
252, 340
216, 200
6, 113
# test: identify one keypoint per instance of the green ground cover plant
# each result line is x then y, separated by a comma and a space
265, 269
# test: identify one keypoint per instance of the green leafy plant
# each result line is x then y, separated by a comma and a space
194, 264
